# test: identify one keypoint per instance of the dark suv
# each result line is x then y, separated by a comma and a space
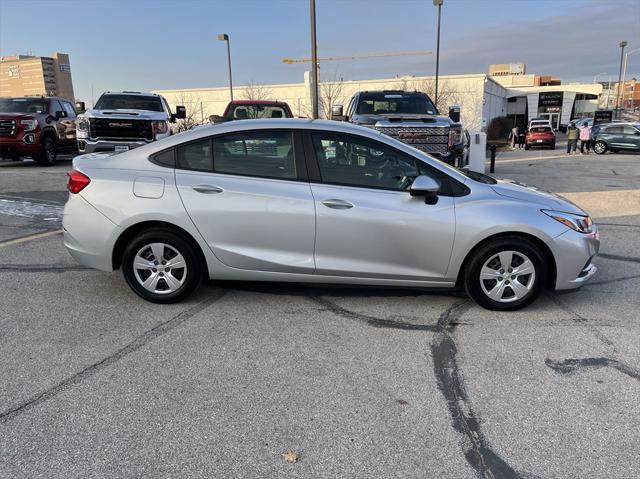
616, 136
38, 127
410, 117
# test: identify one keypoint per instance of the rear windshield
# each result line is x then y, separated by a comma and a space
243, 112
23, 105
540, 129
129, 102
395, 103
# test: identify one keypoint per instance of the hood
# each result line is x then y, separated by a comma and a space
532, 194
126, 114
392, 119
18, 116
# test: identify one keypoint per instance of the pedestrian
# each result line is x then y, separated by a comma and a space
585, 138
572, 138
513, 137
521, 135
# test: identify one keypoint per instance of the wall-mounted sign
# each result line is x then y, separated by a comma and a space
553, 98
65, 68
602, 116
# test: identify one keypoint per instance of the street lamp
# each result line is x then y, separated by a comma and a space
438, 3
314, 61
622, 45
624, 71
223, 37
597, 75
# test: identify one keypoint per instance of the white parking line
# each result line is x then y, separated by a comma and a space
26, 239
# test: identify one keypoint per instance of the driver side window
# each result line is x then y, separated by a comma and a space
354, 161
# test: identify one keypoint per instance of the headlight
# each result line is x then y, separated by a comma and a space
159, 126
29, 125
579, 223
455, 136
82, 124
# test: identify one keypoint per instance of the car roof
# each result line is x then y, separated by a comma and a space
132, 93
257, 102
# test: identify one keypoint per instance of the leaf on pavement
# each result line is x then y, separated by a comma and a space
290, 456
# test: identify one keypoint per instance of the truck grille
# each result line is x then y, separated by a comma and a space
7, 127
427, 139
108, 129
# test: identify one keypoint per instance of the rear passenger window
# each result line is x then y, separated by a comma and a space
165, 158
196, 156
266, 154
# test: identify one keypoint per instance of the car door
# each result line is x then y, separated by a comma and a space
614, 137
247, 194
630, 138
69, 123
368, 225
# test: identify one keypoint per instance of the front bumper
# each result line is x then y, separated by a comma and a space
574, 253
94, 146
22, 144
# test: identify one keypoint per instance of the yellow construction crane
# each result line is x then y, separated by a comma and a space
357, 57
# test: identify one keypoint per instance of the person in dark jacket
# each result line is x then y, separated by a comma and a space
572, 138
521, 134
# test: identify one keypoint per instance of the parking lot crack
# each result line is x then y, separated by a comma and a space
616, 257
139, 342
450, 381
40, 268
571, 366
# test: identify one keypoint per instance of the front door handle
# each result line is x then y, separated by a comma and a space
208, 189
337, 204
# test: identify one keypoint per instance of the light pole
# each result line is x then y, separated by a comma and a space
597, 75
223, 37
622, 45
314, 61
438, 3
624, 71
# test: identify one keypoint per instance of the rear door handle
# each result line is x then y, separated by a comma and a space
208, 189
337, 204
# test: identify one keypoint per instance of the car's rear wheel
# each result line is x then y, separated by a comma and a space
48, 152
161, 266
553, 146
506, 274
600, 147
527, 147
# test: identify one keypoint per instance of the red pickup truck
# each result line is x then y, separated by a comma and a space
38, 127
253, 109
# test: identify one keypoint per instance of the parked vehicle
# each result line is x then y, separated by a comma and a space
321, 202
38, 127
121, 121
539, 122
616, 137
254, 109
580, 122
540, 136
410, 117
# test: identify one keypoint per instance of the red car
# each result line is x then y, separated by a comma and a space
252, 109
540, 136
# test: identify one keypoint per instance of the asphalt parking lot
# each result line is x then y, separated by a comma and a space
357, 382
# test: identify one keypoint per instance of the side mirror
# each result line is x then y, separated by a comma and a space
337, 113
80, 107
181, 112
425, 186
60, 114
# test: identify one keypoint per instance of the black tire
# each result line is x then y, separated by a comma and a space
175, 241
48, 152
553, 146
527, 147
600, 147
488, 251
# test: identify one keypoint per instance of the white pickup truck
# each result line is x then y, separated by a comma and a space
120, 121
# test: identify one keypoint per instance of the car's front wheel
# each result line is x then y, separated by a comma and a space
600, 147
48, 152
506, 274
161, 266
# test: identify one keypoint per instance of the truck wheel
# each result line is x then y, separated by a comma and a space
48, 152
600, 147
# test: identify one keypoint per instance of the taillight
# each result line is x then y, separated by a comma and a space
77, 181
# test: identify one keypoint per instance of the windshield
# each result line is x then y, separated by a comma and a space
396, 103
129, 102
242, 112
23, 105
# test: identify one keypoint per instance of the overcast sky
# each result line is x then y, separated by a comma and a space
144, 44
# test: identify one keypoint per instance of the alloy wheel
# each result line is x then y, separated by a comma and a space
159, 268
507, 276
599, 147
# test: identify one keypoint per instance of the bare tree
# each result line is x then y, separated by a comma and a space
194, 112
331, 93
256, 92
446, 94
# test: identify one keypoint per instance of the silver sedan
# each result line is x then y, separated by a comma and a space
322, 202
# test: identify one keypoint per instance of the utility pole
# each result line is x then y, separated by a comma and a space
314, 61
438, 3
622, 45
223, 37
